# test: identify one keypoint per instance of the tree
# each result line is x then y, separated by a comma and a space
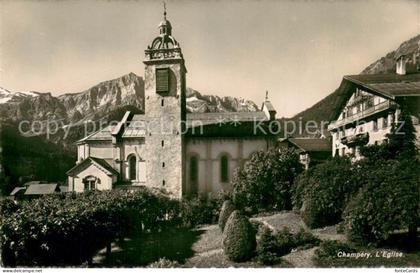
401, 147
387, 202
322, 192
265, 181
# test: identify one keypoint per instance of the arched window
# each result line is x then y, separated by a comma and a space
90, 183
132, 165
224, 168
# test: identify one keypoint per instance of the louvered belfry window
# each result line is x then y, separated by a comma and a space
162, 80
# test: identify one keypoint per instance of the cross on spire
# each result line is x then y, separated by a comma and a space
266, 95
164, 10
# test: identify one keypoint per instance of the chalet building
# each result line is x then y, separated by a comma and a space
168, 148
371, 104
311, 151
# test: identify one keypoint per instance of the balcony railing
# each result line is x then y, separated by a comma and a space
362, 114
355, 140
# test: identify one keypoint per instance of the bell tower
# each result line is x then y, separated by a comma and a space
165, 111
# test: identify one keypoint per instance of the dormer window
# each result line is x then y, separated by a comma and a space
162, 80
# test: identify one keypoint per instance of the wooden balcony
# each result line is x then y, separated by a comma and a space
363, 114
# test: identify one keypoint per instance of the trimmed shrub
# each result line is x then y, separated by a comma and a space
323, 191
265, 181
225, 212
238, 238
389, 201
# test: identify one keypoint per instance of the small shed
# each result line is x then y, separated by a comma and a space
17, 193
42, 189
311, 150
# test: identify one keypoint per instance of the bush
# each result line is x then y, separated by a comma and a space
267, 247
389, 200
238, 238
200, 210
304, 239
270, 248
8, 206
265, 181
164, 263
70, 229
225, 212
330, 249
323, 191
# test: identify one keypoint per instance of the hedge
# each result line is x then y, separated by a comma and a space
70, 229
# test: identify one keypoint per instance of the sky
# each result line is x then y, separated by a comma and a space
297, 50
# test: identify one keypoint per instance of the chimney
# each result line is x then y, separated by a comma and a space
400, 68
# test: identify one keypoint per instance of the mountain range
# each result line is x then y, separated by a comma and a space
100, 100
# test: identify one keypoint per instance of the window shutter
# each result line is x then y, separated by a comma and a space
162, 80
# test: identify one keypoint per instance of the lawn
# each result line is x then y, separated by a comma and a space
202, 247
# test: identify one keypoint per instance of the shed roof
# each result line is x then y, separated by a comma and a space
311, 144
17, 190
39, 189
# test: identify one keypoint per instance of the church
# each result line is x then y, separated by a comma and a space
166, 147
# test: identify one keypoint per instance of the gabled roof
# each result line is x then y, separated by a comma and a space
310, 144
98, 162
389, 85
39, 189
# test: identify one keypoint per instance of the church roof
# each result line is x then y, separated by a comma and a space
224, 117
104, 134
228, 124
136, 127
98, 162
215, 123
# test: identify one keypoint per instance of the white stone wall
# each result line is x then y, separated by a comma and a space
134, 147
210, 150
76, 183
